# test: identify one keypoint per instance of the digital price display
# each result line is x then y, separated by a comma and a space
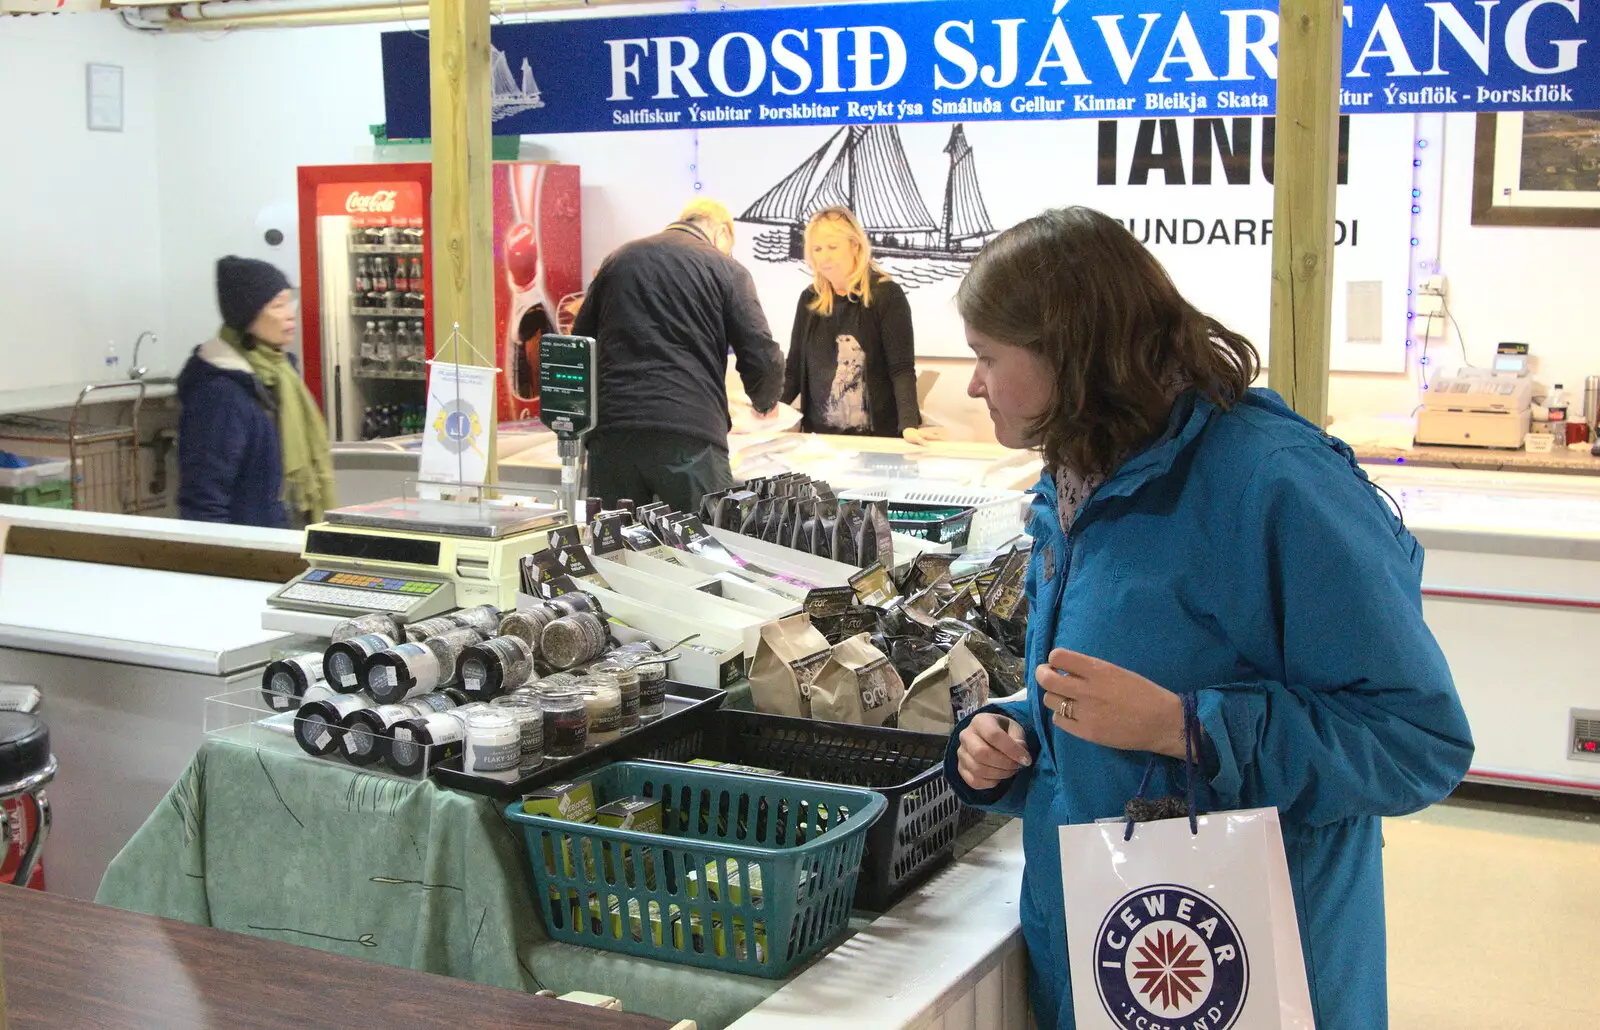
567, 384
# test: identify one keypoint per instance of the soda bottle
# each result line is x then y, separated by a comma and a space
380, 274
416, 276
1556, 405
363, 276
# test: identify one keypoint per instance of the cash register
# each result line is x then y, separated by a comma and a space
415, 557
1479, 407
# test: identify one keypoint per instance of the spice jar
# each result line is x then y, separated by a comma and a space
344, 663
485, 618
447, 647
574, 639
495, 666
361, 625
525, 709
566, 721
626, 680
604, 703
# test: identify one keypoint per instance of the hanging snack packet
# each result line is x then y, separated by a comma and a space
956, 686
857, 685
847, 532
875, 542
873, 586
788, 658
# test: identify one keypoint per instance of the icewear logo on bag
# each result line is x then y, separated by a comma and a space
1168, 958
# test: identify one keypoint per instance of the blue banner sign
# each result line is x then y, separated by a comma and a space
969, 60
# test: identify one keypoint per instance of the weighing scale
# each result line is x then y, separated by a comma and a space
415, 558
568, 404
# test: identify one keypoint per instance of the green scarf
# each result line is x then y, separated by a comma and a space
302, 434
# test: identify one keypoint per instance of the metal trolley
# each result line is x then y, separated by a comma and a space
104, 457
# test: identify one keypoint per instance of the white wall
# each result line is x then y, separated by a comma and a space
80, 237
239, 113
1503, 283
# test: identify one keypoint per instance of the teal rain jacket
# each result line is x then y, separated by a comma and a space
1246, 558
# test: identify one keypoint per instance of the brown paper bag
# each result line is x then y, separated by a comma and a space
858, 685
953, 688
788, 658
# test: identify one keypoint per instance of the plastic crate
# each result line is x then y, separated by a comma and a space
751, 874
57, 494
935, 523
35, 472
924, 818
998, 516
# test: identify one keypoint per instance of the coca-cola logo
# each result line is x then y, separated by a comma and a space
379, 202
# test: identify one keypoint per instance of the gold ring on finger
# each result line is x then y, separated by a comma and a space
1066, 707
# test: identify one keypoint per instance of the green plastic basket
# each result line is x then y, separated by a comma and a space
751, 874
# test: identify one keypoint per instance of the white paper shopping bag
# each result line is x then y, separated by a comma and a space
1178, 931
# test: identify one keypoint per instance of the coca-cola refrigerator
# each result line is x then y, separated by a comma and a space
366, 267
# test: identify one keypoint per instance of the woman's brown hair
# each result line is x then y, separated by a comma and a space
1074, 286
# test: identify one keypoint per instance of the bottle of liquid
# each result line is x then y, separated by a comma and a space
1556, 405
363, 276
380, 274
385, 347
112, 361
367, 360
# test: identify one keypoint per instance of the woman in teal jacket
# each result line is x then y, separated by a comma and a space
1195, 536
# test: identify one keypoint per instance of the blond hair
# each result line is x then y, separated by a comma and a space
707, 212
841, 220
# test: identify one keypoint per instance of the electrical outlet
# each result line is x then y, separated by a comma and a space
1425, 304
1433, 286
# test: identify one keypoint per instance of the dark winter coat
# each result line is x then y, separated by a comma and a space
666, 310
230, 465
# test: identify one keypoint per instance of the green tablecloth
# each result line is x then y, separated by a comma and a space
261, 840
257, 838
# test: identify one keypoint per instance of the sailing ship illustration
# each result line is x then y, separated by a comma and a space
864, 167
507, 96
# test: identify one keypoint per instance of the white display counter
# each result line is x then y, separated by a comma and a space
950, 956
1511, 589
125, 658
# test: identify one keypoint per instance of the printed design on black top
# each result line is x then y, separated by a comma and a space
846, 405
864, 168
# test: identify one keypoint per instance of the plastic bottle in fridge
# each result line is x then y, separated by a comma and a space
385, 347
367, 360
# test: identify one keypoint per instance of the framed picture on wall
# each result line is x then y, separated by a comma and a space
1537, 168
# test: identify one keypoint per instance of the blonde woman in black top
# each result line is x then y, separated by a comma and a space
852, 357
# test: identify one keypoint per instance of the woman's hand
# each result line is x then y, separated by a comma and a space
922, 435
1107, 704
991, 751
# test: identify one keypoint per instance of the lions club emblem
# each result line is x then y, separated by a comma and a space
1168, 958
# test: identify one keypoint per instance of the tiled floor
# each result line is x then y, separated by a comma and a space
1494, 914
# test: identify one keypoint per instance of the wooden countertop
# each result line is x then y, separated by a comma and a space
1572, 461
71, 964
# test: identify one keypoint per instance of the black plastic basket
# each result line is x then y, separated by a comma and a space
935, 523
918, 830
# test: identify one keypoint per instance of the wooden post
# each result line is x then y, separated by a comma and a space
1305, 165
463, 243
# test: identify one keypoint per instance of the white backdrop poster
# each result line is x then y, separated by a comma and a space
455, 440
1197, 191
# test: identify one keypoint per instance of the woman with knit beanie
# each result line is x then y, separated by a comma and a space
252, 445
